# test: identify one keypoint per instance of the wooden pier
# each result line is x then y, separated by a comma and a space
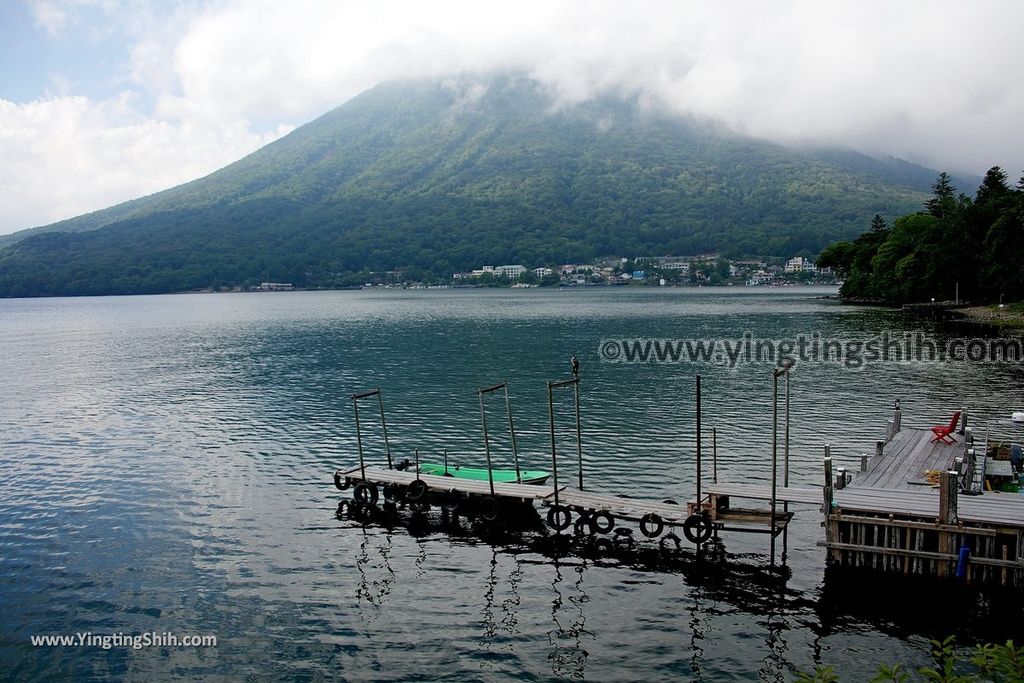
923, 503
587, 512
922, 506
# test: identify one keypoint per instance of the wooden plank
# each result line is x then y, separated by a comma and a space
905, 458
991, 508
881, 468
923, 554
908, 524
618, 506
791, 494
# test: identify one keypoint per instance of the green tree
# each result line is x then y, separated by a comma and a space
943, 199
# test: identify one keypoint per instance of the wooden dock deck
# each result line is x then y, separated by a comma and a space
906, 458
918, 507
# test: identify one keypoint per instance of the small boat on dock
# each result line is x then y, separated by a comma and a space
531, 477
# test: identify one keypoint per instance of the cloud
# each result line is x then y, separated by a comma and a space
933, 82
925, 81
66, 156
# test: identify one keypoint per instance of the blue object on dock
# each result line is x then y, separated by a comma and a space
961, 565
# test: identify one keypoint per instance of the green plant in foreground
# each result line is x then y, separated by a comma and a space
894, 673
945, 660
1000, 662
997, 663
822, 674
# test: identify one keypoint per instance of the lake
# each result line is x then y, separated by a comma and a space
166, 467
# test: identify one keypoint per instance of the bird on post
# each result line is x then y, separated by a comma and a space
575, 366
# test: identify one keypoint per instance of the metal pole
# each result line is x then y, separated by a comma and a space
512, 431
384, 426
487, 447
579, 430
554, 458
714, 454
359, 439
699, 501
446, 462
785, 474
775, 449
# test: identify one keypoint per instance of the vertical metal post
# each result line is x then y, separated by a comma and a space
512, 431
827, 499
785, 474
775, 454
699, 500
714, 454
384, 426
417, 452
359, 439
579, 429
487, 446
827, 490
554, 457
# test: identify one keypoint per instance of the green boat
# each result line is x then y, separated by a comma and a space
500, 476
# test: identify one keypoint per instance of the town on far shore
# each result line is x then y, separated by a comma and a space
656, 271
652, 271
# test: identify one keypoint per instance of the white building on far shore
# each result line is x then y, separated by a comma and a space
511, 272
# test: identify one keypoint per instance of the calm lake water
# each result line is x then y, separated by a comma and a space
166, 466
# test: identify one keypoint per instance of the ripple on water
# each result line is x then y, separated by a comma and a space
165, 466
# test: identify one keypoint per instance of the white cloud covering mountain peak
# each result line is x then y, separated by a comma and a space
182, 89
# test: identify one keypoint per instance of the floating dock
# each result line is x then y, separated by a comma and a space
589, 513
919, 505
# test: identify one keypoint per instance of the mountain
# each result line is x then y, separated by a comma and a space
436, 177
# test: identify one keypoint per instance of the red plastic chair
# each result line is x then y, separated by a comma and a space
942, 432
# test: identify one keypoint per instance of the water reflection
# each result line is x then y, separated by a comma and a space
714, 582
568, 656
935, 609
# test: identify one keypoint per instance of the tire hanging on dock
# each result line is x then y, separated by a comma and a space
697, 528
559, 517
605, 526
584, 524
365, 493
417, 490
673, 539
392, 493
651, 525
489, 509
450, 501
341, 483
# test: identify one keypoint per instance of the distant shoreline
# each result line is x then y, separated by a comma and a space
1008, 317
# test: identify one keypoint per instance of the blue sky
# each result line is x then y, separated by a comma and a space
31, 57
102, 101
